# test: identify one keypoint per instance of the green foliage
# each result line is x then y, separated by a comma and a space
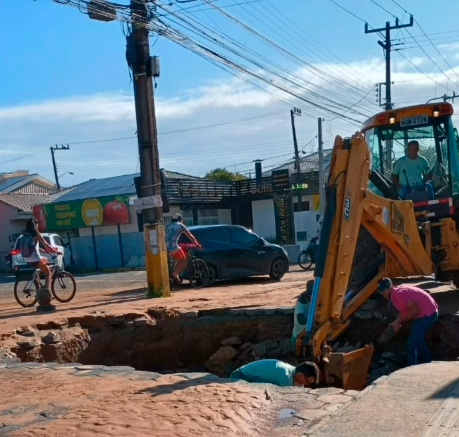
429, 153
222, 174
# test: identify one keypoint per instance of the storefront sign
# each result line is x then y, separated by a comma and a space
262, 189
148, 202
280, 180
283, 207
102, 211
283, 213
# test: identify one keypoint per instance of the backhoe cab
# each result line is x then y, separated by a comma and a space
369, 232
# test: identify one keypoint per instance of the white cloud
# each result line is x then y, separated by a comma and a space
32, 128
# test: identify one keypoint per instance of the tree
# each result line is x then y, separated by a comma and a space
430, 154
222, 174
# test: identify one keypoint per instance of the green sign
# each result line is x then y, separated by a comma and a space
102, 211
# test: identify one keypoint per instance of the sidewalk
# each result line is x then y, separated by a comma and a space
416, 401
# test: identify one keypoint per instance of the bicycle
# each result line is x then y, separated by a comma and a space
63, 286
197, 270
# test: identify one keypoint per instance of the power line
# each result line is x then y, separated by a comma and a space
430, 41
383, 8
269, 61
436, 49
208, 126
268, 41
287, 33
348, 11
421, 71
188, 11
209, 54
431, 59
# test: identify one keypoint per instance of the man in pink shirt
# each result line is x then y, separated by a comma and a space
415, 304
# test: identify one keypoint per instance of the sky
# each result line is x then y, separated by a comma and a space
64, 80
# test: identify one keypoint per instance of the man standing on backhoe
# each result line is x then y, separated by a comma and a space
415, 304
410, 172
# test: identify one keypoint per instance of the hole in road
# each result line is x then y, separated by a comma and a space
216, 341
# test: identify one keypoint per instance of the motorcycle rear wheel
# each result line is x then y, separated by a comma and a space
305, 260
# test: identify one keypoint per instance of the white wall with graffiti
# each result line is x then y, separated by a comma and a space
307, 223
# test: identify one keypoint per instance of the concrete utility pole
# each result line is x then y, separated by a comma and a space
141, 64
387, 46
321, 169
56, 147
293, 112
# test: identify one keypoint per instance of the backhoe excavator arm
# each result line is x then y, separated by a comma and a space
363, 238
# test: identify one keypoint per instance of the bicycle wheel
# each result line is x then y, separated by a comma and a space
199, 274
25, 291
305, 260
63, 286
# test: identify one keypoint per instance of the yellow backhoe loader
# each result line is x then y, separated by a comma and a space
369, 232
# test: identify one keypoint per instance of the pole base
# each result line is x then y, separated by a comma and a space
46, 308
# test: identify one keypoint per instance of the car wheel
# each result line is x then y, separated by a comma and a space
277, 269
212, 274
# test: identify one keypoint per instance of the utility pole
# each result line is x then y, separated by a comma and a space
387, 46
56, 147
321, 169
143, 69
293, 112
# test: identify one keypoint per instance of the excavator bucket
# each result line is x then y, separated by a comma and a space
350, 369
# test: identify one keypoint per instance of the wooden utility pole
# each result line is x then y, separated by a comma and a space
293, 112
321, 169
56, 147
141, 64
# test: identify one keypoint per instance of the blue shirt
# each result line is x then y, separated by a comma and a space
269, 371
173, 232
411, 171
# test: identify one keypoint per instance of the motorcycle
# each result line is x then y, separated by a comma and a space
307, 257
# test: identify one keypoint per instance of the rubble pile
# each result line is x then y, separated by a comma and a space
233, 353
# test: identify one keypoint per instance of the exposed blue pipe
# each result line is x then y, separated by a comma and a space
312, 308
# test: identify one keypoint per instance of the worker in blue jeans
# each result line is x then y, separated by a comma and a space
413, 303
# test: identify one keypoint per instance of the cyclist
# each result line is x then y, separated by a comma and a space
173, 232
36, 260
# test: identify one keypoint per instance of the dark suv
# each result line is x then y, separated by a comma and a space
235, 252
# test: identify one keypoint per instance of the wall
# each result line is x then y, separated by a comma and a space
306, 221
224, 216
108, 251
108, 247
11, 222
263, 218
265, 226
110, 230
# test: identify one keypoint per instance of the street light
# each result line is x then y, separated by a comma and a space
67, 172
